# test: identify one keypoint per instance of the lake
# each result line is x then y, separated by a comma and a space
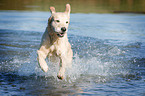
109, 55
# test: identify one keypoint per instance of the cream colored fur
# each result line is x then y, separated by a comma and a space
55, 42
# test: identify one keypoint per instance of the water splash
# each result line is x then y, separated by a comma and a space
81, 67
93, 58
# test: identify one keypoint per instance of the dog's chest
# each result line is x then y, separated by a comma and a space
57, 49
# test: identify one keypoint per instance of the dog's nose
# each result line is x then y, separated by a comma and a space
63, 29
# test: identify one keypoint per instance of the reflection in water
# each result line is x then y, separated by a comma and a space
78, 6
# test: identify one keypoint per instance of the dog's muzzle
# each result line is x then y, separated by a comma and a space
61, 34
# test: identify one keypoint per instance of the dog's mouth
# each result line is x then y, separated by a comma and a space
60, 34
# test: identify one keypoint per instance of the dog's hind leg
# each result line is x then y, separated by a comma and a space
42, 54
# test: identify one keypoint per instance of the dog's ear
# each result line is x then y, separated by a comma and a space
50, 20
67, 9
52, 10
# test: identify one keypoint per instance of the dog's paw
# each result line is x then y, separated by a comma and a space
60, 77
45, 69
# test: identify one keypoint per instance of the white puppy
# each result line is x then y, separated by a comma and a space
55, 42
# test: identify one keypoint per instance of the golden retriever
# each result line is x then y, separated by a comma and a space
55, 42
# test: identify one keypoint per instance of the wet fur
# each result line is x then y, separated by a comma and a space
53, 46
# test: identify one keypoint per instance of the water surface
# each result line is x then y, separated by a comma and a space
109, 55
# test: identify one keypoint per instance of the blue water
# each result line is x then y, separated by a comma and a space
109, 55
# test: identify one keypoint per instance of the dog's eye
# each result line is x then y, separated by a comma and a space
66, 22
57, 21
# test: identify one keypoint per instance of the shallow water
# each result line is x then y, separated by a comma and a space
109, 55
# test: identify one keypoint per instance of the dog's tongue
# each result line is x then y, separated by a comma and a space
60, 34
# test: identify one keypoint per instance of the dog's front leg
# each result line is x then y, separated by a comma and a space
42, 54
62, 68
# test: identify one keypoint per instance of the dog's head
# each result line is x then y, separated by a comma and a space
59, 21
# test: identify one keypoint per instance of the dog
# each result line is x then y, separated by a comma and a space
55, 42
